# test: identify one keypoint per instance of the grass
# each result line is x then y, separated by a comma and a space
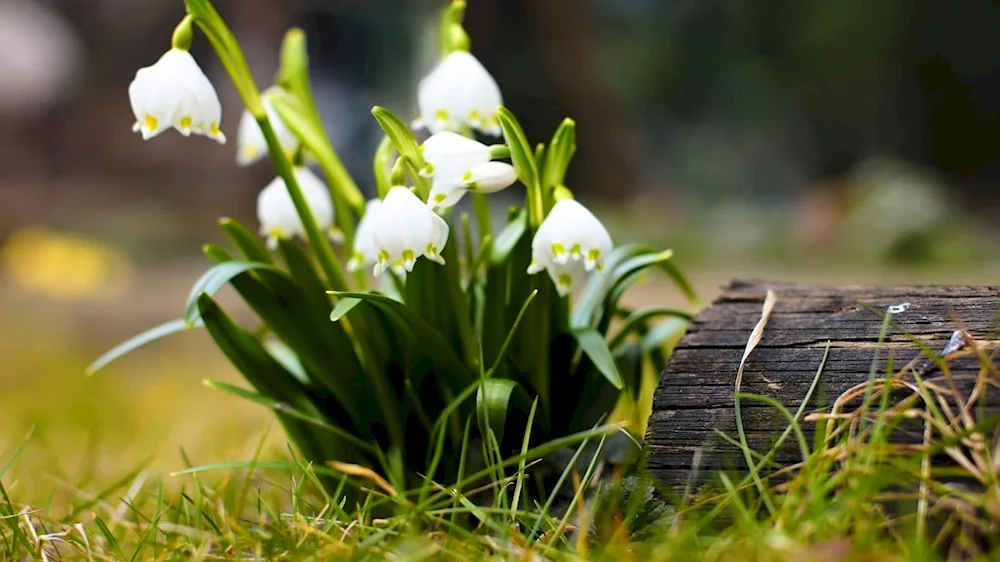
145, 463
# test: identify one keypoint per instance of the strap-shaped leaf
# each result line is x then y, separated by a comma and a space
215, 279
559, 154
266, 375
592, 343
301, 321
497, 400
625, 264
521, 152
508, 238
137, 341
248, 244
346, 198
640, 320
283, 408
344, 306
430, 343
406, 145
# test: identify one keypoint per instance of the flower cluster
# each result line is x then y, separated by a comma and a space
458, 96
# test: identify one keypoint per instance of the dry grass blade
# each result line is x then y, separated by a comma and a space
366, 473
756, 335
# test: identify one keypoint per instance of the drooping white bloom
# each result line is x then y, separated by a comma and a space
365, 252
570, 242
276, 211
489, 177
405, 229
449, 156
459, 92
250, 143
174, 92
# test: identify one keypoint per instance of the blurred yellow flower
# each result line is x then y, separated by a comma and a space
64, 266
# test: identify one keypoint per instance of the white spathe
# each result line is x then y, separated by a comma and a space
489, 177
365, 252
458, 93
276, 210
405, 229
174, 92
250, 143
569, 243
449, 157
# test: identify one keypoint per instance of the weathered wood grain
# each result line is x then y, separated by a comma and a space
695, 392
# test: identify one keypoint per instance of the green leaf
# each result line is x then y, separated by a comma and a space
659, 335
288, 359
622, 268
346, 196
508, 238
301, 320
415, 325
592, 343
406, 145
284, 408
496, 399
249, 245
522, 156
559, 154
511, 334
521, 152
215, 279
149, 336
300, 268
268, 376
382, 164
640, 319
344, 306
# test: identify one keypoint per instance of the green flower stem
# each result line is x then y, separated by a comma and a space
293, 76
317, 238
499, 151
228, 51
481, 207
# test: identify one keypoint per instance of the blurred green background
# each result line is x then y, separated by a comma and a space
812, 140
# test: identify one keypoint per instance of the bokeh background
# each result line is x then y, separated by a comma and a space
847, 141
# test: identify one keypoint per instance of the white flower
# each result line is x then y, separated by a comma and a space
405, 229
276, 211
449, 156
459, 92
174, 92
570, 242
250, 143
365, 252
489, 177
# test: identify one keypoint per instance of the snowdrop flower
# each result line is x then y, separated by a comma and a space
405, 229
458, 93
250, 143
449, 156
489, 177
364, 252
457, 164
570, 242
276, 211
174, 92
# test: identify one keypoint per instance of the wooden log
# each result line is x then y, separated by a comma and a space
695, 396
